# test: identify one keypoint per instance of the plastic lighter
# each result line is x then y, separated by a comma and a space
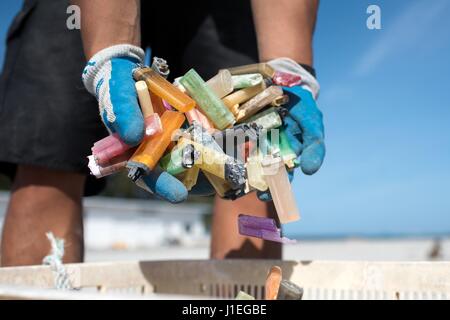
190, 178
221, 84
276, 177
258, 102
200, 135
158, 104
173, 161
233, 100
197, 116
160, 65
152, 148
164, 89
273, 281
108, 148
103, 171
280, 101
181, 157
246, 80
278, 140
114, 165
267, 120
260, 227
255, 174
221, 186
286, 79
219, 164
239, 140
152, 120
244, 296
262, 68
207, 101
289, 291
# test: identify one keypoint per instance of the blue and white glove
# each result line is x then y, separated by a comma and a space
109, 76
304, 123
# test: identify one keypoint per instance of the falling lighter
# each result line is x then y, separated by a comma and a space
273, 280
207, 101
164, 89
280, 189
259, 227
152, 148
289, 291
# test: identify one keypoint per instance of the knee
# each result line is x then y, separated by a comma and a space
35, 183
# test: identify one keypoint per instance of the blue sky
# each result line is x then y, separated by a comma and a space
386, 100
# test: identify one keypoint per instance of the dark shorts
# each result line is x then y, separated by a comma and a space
47, 119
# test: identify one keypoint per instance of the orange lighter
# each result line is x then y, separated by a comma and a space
153, 147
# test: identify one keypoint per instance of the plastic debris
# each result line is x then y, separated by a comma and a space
263, 228
244, 296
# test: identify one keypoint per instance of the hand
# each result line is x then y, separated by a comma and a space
303, 125
304, 129
108, 76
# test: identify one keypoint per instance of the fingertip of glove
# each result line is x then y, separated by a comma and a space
166, 187
170, 188
312, 158
133, 132
264, 196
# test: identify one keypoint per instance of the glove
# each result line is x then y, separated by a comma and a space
108, 76
303, 125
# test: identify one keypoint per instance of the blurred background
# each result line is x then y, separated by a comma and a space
384, 190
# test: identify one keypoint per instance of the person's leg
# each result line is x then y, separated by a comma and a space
226, 241
42, 200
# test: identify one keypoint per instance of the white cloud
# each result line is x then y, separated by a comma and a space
414, 24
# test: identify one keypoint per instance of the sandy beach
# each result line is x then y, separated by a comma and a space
347, 249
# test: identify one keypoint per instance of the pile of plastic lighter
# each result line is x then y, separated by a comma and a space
229, 129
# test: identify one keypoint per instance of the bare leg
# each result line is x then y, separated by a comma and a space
226, 241
43, 200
